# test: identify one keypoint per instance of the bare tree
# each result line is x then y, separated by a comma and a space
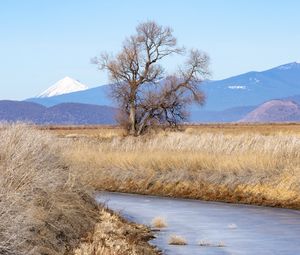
142, 95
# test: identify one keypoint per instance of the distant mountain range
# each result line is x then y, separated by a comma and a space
65, 113
229, 100
253, 88
249, 89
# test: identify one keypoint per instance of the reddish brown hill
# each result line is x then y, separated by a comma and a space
275, 111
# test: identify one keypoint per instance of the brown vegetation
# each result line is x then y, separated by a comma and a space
46, 183
177, 240
232, 166
245, 128
44, 206
104, 131
159, 222
114, 236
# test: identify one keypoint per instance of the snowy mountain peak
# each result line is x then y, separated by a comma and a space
63, 86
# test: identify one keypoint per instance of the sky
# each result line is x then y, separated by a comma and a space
42, 41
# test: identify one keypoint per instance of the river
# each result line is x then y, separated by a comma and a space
243, 229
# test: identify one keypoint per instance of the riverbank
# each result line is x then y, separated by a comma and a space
48, 181
113, 235
212, 227
47, 209
237, 167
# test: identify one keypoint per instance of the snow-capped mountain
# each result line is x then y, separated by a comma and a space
227, 100
63, 86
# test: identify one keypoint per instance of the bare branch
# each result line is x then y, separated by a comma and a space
135, 72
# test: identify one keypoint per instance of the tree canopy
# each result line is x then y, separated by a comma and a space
145, 93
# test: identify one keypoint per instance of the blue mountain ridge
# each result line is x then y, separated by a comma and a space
60, 114
227, 100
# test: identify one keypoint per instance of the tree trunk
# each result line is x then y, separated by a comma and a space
142, 125
132, 119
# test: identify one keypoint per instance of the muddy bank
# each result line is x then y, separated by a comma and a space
115, 236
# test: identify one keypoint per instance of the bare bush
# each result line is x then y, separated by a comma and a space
159, 222
43, 208
177, 240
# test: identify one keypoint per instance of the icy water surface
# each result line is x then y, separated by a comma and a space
243, 229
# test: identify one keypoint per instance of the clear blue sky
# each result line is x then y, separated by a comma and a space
41, 41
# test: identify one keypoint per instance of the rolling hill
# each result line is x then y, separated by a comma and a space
274, 111
20, 111
66, 113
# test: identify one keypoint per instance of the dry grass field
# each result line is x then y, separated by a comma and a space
45, 207
254, 164
48, 178
106, 131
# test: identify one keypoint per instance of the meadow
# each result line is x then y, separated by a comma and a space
238, 163
49, 176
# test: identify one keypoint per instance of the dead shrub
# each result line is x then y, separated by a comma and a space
159, 222
44, 209
177, 240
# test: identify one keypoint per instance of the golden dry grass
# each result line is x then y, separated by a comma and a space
100, 132
242, 168
159, 222
177, 240
106, 131
45, 208
46, 183
245, 128
114, 236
